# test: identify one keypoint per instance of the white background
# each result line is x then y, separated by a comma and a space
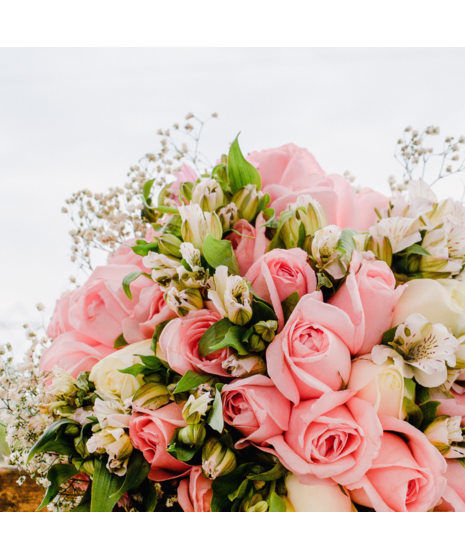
75, 118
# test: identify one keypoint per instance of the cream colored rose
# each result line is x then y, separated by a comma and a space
111, 384
439, 301
380, 385
315, 497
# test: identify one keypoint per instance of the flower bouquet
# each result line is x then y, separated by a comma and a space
262, 338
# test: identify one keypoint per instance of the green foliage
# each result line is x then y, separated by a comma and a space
120, 341
289, 303
57, 475
142, 248
191, 380
129, 279
53, 440
215, 418
220, 252
241, 172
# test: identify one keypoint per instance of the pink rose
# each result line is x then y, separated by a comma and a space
369, 297
125, 256
256, 408
179, 342
195, 494
311, 355
369, 200
59, 323
453, 407
334, 193
250, 244
74, 352
150, 311
151, 432
288, 166
334, 438
279, 273
99, 307
406, 476
453, 498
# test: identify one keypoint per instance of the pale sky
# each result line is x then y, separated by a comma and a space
75, 118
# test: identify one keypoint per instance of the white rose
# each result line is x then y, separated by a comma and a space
381, 385
111, 384
440, 301
316, 497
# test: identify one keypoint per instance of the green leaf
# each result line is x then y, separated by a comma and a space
277, 504
134, 370
264, 202
289, 303
415, 249
120, 342
104, 483
232, 339
142, 248
429, 410
84, 504
261, 312
214, 335
277, 241
389, 335
413, 412
241, 172
423, 394
410, 388
129, 279
220, 252
273, 474
191, 380
156, 334
346, 242
166, 209
215, 417
241, 492
147, 189
153, 363
57, 475
138, 469
222, 487
323, 281
51, 441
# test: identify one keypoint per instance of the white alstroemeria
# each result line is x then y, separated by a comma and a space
310, 212
62, 384
197, 224
198, 276
183, 301
165, 269
456, 241
457, 213
196, 408
444, 433
116, 443
421, 349
231, 296
244, 366
420, 189
208, 194
229, 216
400, 231
81, 416
435, 242
111, 413
324, 251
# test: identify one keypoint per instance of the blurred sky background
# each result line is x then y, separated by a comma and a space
78, 118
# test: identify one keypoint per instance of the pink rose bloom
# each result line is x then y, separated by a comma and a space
368, 296
279, 273
406, 476
311, 355
334, 439
99, 307
369, 200
453, 498
74, 352
256, 408
179, 342
59, 323
125, 256
288, 166
195, 494
151, 432
250, 244
150, 311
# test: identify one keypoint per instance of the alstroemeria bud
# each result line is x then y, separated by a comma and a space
185, 191
72, 430
325, 253
290, 231
196, 225
197, 407
182, 302
80, 446
88, 467
241, 367
193, 435
231, 296
444, 432
217, 459
247, 201
381, 248
209, 195
169, 245
256, 343
196, 276
151, 395
255, 503
267, 330
164, 269
229, 216
311, 214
